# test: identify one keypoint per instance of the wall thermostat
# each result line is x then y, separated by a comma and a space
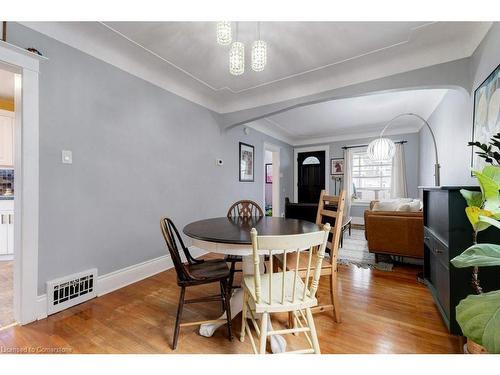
219, 162
66, 157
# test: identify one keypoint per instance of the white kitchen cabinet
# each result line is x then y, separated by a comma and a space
6, 139
4, 235
6, 227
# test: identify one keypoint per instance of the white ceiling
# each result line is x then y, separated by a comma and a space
304, 58
294, 47
352, 118
6, 84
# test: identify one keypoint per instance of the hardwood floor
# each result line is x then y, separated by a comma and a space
6, 293
382, 312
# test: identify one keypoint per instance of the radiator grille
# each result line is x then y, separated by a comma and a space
70, 290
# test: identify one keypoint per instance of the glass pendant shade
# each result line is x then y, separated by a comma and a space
381, 149
259, 55
237, 59
224, 36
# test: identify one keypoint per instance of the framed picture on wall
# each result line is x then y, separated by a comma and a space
269, 173
247, 162
486, 121
336, 167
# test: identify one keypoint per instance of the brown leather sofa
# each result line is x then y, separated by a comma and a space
395, 232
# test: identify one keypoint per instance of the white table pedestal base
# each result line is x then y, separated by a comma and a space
278, 343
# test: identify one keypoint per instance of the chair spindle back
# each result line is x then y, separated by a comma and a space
245, 208
326, 214
174, 241
282, 245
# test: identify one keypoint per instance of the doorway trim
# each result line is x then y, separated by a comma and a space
276, 151
296, 152
26, 189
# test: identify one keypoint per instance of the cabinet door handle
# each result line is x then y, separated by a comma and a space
2, 219
10, 219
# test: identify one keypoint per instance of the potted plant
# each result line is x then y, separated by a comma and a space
479, 314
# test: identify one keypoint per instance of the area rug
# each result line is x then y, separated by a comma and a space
354, 250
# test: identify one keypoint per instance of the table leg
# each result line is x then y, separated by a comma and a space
278, 343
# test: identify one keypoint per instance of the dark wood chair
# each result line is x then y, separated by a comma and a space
243, 208
196, 272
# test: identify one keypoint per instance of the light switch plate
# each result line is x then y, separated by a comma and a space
67, 157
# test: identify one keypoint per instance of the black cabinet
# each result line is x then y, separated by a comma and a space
447, 233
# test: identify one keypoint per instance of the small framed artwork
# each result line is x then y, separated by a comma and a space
247, 162
269, 173
486, 121
336, 167
3, 31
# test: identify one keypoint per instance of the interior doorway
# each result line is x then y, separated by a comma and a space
271, 181
311, 176
314, 175
7, 130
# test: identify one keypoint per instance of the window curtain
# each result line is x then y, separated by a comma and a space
347, 184
398, 178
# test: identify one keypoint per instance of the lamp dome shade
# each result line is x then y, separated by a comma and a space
381, 149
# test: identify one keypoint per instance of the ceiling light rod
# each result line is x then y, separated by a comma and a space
383, 148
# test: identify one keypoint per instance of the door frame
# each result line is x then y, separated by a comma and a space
296, 152
26, 181
276, 151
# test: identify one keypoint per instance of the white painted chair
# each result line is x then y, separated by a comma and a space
284, 291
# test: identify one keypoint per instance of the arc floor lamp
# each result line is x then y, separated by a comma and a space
383, 149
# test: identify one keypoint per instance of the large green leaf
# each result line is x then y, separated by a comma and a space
493, 205
479, 318
489, 187
489, 220
493, 172
474, 214
481, 255
473, 198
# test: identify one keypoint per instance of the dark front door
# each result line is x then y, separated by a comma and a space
311, 176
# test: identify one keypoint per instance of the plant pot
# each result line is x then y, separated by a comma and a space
474, 348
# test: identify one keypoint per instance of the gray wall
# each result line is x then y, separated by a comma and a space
139, 152
452, 120
411, 157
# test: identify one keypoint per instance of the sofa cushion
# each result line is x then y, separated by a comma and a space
401, 204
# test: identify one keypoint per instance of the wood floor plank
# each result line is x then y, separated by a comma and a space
382, 312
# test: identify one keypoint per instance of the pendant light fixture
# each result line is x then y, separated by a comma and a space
224, 35
259, 52
237, 56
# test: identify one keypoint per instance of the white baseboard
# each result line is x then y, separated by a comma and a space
41, 307
120, 278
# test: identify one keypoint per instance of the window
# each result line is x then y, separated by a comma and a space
311, 160
371, 179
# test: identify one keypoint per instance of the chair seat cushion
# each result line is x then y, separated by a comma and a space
214, 269
275, 305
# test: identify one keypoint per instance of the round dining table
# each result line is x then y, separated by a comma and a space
231, 236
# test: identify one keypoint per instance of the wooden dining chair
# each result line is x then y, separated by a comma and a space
284, 291
243, 209
326, 213
196, 272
